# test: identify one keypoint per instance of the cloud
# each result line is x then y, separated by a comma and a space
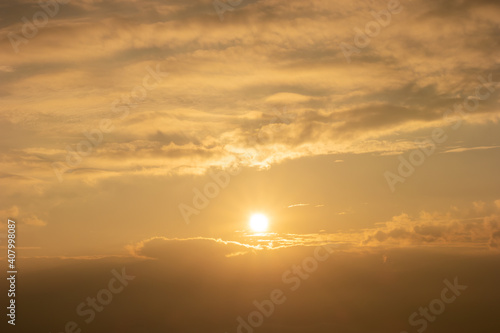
7, 69
495, 239
35, 221
223, 74
459, 228
9, 212
460, 150
298, 205
479, 206
207, 295
21, 217
193, 248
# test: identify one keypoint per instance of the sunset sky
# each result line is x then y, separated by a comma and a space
144, 135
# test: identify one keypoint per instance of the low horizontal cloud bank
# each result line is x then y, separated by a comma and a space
194, 286
158, 247
478, 226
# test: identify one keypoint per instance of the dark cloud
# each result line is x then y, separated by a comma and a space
198, 248
347, 293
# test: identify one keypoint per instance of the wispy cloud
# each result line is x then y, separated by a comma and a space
463, 149
199, 116
298, 205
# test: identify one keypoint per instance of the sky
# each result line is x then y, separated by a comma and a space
142, 136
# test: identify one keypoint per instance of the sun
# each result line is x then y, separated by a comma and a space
259, 222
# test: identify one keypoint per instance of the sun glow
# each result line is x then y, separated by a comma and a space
259, 222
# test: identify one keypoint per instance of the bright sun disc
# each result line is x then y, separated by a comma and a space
258, 222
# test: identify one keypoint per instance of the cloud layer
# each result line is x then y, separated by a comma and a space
229, 82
